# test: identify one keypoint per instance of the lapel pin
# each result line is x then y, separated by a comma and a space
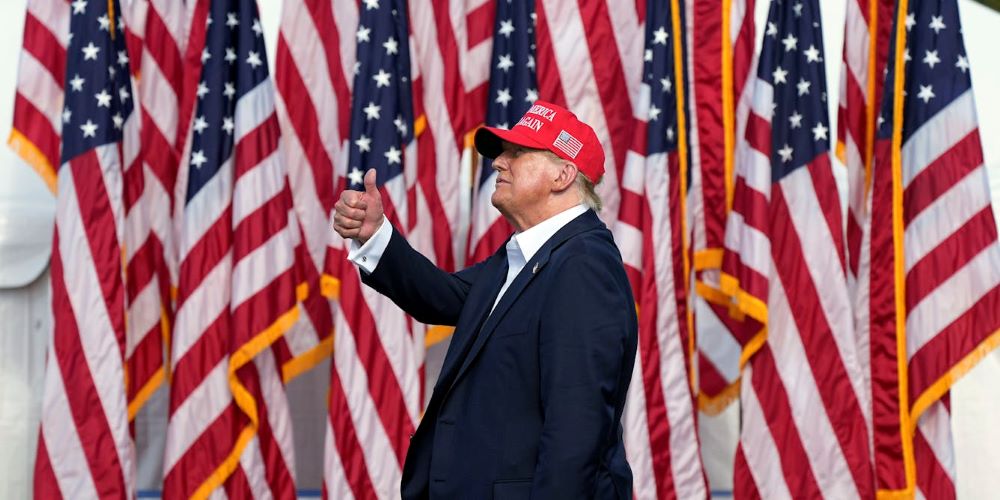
534, 270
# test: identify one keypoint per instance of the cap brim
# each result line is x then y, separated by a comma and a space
489, 141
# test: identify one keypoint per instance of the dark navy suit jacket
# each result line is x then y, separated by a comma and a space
530, 397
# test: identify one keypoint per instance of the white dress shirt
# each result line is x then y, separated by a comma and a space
520, 249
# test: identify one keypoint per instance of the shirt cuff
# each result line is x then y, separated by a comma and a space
366, 256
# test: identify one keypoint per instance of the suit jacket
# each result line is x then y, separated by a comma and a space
530, 397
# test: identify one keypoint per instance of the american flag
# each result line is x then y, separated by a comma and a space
803, 399
84, 448
720, 63
661, 436
228, 428
513, 89
930, 265
38, 102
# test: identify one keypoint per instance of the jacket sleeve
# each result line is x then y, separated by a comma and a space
419, 287
582, 344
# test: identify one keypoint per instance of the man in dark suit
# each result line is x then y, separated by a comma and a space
530, 396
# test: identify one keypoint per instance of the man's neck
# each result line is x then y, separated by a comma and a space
523, 222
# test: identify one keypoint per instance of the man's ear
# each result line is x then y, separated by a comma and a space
566, 178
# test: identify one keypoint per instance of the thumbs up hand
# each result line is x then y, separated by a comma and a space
359, 214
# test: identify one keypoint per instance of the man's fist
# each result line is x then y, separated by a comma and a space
358, 215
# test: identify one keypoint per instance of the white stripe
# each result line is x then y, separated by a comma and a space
755, 169
143, 314
93, 319
474, 61
752, 246
862, 314
36, 84
937, 135
856, 42
380, 459
638, 449
935, 426
254, 108
59, 431
252, 463
204, 210
576, 74
394, 334
629, 35
696, 202
158, 98
198, 411
818, 439
763, 99
262, 266
278, 411
55, 17
716, 343
629, 240
345, 14
257, 186
334, 476
201, 308
737, 11
759, 447
952, 298
945, 215
174, 16
484, 214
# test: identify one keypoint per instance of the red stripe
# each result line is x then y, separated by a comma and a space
204, 256
160, 44
743, 51
950, 256
706, 90
211, 348
141, 268
855, 114
328, 30
45, 484
302, 113
711, 382
947, 170
45, 47
631, 209
453, 91
145, 360
89, 418
954, 342
828, 198
258, 312
279, 477
383, 386
744, 485
752, 205
105, 250
258, 227
752, 282
546, 64
192, 69
610, 77
37, 128
157, 153
854, 237
203, 456
479, 24
795, 466
254, 147
932, 479
758, 134
832, 380
237, 486
427, 177
345, 439
490, 242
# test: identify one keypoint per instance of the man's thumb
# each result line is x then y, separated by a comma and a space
370, 187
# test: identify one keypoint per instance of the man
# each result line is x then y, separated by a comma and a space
530, 396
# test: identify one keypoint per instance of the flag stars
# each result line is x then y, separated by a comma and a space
400, 125
654, 113
819, 132
803, 86
812, 54
253, 59
202, 90
648, 55
506, 28
356, 176
381, 78
531, 62
911, 20
772, 30
797, 8
66, 115
122, 58
229, 90
786, 153
76, 83
231, 20
103, 99
790, 42
79, 6
123, 94
937, 24
363, 143
670, 134
660, 36
200, 124
393, 155
90, 51
205, 55
117, 121
503, 97
228, 125
795, 120
505, 63
391, 46
198, 159
371, 4
363, 34
257, 29
780, 75
111, 71
962, 63
531, 96
372, 111
230, 55
105, 22
931, 58
89, 129
666, 83
926, 93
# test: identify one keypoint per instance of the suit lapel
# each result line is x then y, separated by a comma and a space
588, 220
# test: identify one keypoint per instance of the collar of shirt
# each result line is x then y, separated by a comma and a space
530, 240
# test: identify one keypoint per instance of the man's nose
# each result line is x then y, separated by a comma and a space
501, 162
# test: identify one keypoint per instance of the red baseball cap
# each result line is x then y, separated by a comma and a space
552, 128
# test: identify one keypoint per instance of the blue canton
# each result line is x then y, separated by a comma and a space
659, 75
234, 63
936, 67
792, 61
513, 80
98, 83
382, 105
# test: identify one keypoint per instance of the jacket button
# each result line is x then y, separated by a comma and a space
411, 435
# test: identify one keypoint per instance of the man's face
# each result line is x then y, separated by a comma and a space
524, 180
